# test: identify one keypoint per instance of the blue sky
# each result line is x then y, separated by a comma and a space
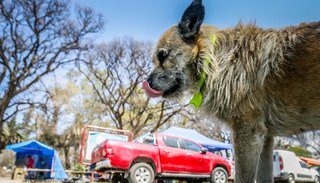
148, 19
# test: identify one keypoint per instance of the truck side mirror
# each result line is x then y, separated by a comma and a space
203, 150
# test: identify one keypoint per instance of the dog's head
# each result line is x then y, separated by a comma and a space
175, 56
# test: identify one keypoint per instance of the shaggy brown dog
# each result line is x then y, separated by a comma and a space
263, 83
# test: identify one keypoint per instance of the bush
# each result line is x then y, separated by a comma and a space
7, 159
299, 151
78, 167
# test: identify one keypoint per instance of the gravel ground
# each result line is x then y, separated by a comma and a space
8, 180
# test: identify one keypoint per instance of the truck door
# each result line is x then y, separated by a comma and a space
196, 162
304, 173
173, 159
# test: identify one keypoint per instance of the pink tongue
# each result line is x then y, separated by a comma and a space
151, 92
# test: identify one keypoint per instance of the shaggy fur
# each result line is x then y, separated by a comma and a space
263, 83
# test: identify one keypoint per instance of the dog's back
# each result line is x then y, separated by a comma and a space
294, 98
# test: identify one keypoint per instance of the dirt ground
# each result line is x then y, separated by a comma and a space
8, 180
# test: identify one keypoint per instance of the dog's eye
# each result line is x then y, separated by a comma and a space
162, 55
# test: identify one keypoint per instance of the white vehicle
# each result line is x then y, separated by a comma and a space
288, 167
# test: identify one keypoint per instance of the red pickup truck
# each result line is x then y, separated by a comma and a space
158, 156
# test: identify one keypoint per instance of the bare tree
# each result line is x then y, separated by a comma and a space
211, 128
37, 37
116, 71
314, 143
310, 141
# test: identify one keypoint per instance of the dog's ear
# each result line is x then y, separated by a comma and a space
191, 21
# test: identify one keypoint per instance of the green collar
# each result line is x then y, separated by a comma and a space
197, 98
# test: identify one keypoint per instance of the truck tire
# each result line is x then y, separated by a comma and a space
219, 175
141, 173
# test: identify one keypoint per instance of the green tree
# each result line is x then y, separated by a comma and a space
27, 125
70, 140
51, 120
58, 121
299, 151
10, 134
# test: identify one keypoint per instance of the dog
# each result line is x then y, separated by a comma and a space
262, 82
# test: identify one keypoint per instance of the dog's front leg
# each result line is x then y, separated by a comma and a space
265, 169
248, 143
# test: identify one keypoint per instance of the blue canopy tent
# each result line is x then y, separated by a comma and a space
210, 144
34, 147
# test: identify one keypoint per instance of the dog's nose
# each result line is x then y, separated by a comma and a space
150, 79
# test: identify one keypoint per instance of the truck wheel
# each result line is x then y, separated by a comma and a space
219, 175
141, 173
291, 179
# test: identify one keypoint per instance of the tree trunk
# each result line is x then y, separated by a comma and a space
76, 158
2, 140
66, 157
2, 143
4, 104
